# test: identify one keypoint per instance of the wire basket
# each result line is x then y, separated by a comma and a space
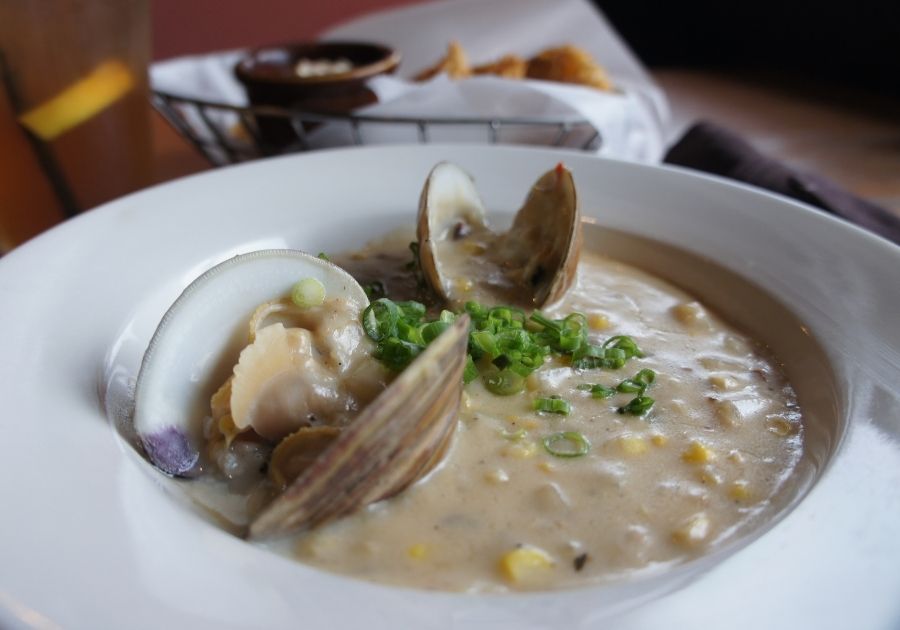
227, 134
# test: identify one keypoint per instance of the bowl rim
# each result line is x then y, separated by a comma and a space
389, 60
836, 584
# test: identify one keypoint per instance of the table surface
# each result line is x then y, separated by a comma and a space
849, 137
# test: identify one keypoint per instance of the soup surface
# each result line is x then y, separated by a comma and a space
528, 500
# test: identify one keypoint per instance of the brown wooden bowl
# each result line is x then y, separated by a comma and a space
269, 77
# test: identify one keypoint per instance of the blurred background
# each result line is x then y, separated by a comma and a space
815, 85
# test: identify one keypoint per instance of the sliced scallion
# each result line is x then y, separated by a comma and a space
308, 292
380, 319
504, 382
567, 444
638, 384
637, 406
552, 404
597, 390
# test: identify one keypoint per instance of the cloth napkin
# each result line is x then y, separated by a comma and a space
711, 148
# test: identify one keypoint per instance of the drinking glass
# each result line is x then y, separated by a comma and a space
74, 109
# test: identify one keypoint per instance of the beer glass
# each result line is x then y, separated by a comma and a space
74, 109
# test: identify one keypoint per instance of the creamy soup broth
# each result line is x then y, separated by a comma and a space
502, 513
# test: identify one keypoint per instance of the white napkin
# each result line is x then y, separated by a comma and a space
629, 121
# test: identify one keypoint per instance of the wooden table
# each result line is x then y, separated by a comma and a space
850, 137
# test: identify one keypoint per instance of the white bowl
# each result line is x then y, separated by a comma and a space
92, 536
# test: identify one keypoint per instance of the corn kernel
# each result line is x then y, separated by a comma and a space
739, 491
417, 551
547, 467
598, 321
631, 444
692, 315
658, 439
496, 476
697, 453
519, 564
693, 532
780, 426
532, 382
521, 450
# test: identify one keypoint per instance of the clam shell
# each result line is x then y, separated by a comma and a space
448, 199
198, 340
538, 255
397, 439
543, 245
299, 451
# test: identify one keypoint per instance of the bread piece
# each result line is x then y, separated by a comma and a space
455, 64
568, 64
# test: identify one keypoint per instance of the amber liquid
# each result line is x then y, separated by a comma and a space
47, 46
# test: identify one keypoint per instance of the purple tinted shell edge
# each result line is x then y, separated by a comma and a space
171, 451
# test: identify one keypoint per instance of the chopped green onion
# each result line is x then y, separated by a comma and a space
447, 316
380, 319
484, 342
542, 319
504, 382
629, 386
598, 390
308, 292
505, 346
476, 310
567, 444
411, 309
430, 332
638, 406
638, 384
552, 404
470, 372
324, 256
396, 353
407, 330
645, 376
625, 343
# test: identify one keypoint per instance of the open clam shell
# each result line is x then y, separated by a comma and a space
397, 438
198, 340
542, 248
449, 209
532, 264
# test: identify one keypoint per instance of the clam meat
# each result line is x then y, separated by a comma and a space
334, 428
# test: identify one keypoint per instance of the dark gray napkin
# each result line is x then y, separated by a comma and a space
714, 149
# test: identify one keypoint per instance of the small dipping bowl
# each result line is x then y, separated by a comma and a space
270, 76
